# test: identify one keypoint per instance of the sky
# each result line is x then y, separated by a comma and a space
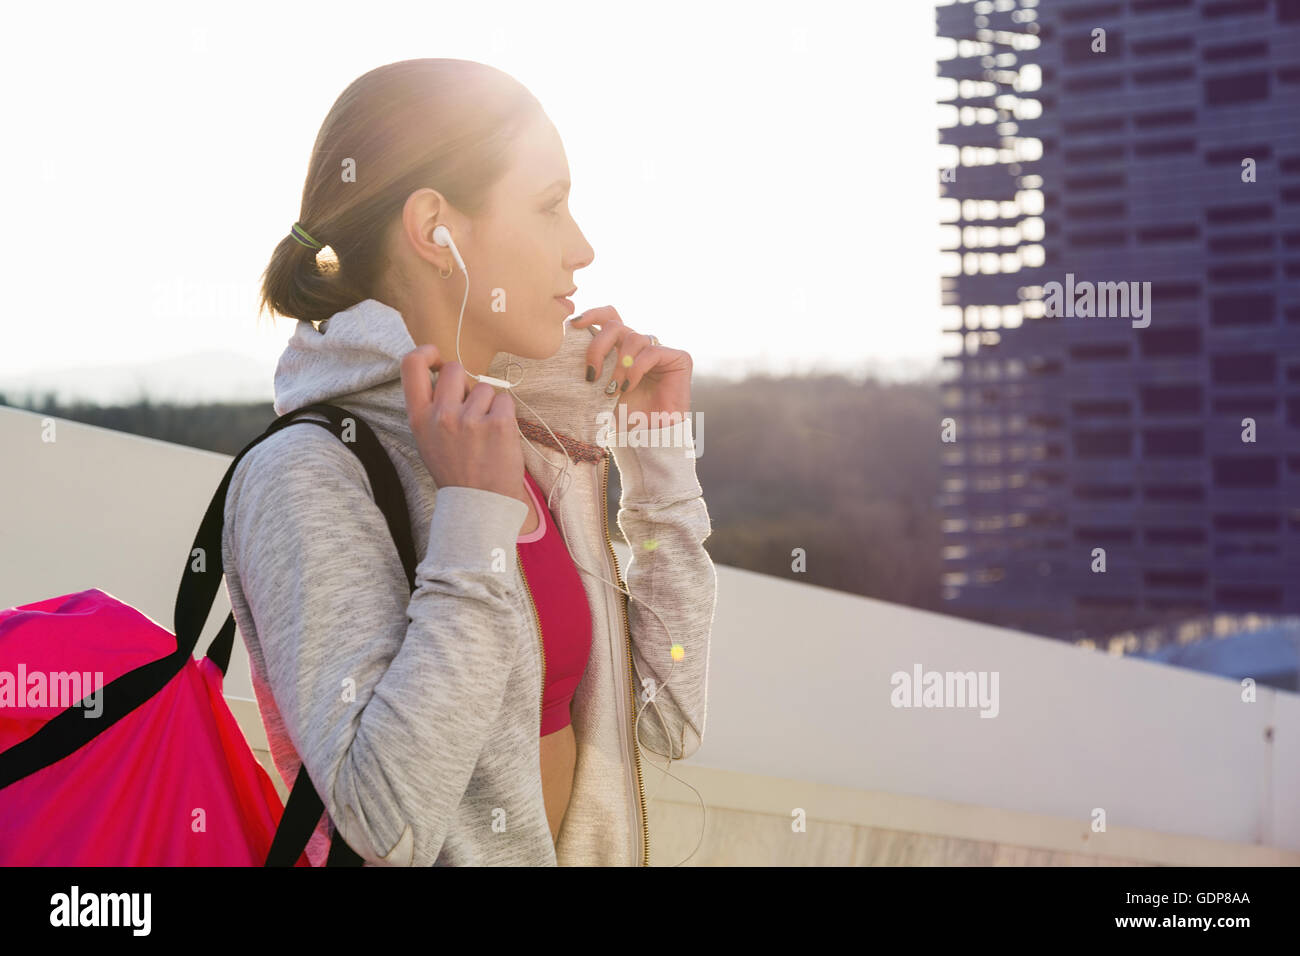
759, 181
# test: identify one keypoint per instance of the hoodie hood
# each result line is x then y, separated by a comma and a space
355, 358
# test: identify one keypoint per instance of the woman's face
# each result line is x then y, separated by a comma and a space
523, 250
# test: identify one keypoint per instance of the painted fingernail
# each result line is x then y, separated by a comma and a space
591, 373
626, 382
611, 388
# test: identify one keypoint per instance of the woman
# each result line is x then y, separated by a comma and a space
492, 715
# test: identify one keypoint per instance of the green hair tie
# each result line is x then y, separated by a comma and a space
300, 234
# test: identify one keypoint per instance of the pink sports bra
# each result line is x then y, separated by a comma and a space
563, 613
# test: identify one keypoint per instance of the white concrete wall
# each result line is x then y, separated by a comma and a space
799, 679
800, 688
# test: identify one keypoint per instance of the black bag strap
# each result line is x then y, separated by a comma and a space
199, 590
68, 731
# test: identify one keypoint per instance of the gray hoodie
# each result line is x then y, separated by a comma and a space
417, 714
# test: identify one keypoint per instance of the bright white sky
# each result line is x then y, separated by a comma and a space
155, 155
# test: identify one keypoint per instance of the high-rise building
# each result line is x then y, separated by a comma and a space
1122, 443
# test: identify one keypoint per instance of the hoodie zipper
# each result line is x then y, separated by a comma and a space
627, 631
541, 646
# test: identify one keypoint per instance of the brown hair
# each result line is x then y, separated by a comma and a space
439, 123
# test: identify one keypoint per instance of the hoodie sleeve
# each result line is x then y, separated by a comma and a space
387, 695
663, 516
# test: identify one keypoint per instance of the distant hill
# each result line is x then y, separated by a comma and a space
215, 376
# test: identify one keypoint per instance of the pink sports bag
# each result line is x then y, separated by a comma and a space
117, 747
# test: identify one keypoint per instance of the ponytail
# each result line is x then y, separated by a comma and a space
306, 284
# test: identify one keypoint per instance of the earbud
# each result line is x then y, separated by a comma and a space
442, 236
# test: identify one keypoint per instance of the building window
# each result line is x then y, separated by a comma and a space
1173, 442
1164, 399
1257, 369
1103, 443
1239, 87
1243, 308
1255, 472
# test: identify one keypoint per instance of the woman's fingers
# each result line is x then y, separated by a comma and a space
611, 332
466, 441
482, 398
449, 393
631, 348
416, 383
647, 357
454, 392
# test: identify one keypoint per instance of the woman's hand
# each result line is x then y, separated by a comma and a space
652, 378
468, 440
